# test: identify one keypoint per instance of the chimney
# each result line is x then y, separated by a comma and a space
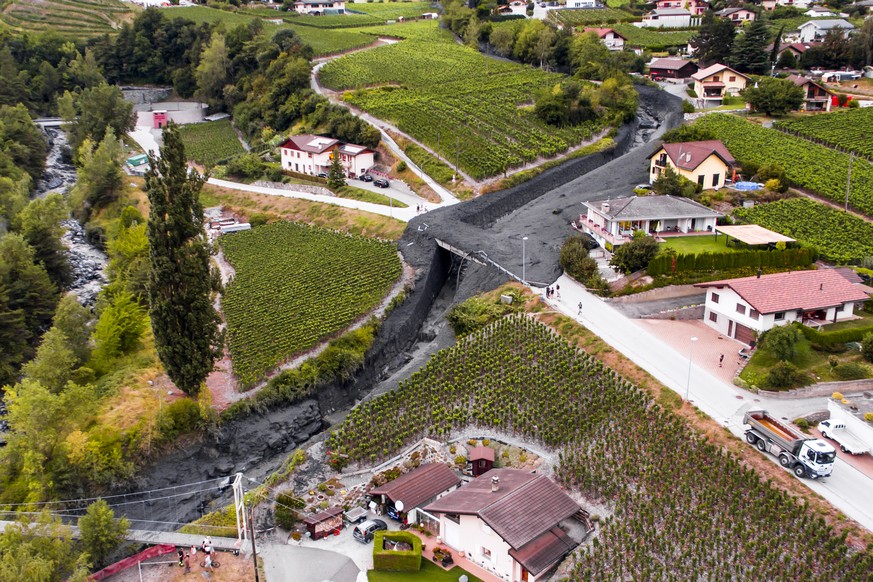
495, 484
604, 206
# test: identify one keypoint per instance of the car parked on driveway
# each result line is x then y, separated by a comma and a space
364, 532
366, 178
322, 175
381, 183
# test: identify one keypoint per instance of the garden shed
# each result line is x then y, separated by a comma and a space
481, 460
325, 523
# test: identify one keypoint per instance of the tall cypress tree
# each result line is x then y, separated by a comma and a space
183, 317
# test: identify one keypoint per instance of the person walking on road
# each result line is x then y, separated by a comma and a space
720, 360
580, 308
187, 563
558, 292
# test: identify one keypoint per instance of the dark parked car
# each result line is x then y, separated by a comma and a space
322, 175
382, 183
364, 532
366, 177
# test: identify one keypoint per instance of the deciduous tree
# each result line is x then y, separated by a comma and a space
774, 97
100, 531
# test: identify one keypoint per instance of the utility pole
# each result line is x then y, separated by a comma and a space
254, 551
849, 180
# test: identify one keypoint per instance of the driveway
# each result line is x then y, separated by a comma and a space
677, 89
284, 563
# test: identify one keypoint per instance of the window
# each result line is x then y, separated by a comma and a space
715, 79
715, 179
741, 308
753, 314
715, 297
486, 553
779, 316
732, 79
713, 317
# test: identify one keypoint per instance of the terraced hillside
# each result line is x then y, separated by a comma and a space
66, 17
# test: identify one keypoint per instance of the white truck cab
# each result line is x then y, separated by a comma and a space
818, 456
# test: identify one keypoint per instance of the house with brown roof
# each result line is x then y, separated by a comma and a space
415, 489
671, 69
815, 96
613, 40
696, 7
708, 163
713, 83
737, 15
513, 523
312, 154
744, 308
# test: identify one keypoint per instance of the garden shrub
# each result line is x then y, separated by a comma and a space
851, 371
802, 424
830, 338
786, 375
575, 260
286, 514
867, 347
782, 341
394, 560
179, 417
664, 264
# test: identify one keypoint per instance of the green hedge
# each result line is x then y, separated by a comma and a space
670, 264
830, 338
392, 560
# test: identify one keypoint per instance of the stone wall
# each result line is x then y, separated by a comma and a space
141, 95
823, 389
683, 313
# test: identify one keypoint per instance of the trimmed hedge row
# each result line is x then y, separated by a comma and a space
393, 560
831, 338
669, 265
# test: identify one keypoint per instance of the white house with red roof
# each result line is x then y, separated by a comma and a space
513, 523
613, 40
696, 7
312, 154
320, 7
744, 308
708, 163
737, 15
713, 83
668, 18
816, 97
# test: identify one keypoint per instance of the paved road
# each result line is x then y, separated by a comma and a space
146, 140
299, 564
847, 489
643, 308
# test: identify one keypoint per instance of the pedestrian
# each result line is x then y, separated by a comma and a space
181, 557
203, 545
194, 551
720, 360
580, 308
187, 563
558, 291
208, 562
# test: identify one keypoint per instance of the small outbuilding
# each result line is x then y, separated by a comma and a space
415, 489
671, 69
481, 460
325, 523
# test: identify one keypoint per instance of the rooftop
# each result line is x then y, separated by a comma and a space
829, 23
601, 32
650, 208
712, 70
310, 143
419, 485
669, 64
804, 290
670, 12
690, 154
752, 234
482, 452
544, 551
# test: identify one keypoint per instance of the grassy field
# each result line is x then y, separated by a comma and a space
295, 286
695, 245
428, 573
454, 99
646, 38
366, 196
210, 142
78, 18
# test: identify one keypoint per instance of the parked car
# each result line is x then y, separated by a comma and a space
364, 532
392, 512
322, 175
381, 183
366, 177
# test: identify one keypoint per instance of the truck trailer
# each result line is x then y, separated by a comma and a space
806, 456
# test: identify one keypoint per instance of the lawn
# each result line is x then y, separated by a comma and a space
695, 245
428, 573
866, 320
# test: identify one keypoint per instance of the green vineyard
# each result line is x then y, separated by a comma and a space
648, 38
817, 168
851, 129
681, 508
454, 99
295, 286
211, 142
69, 18
589, 17
839, 236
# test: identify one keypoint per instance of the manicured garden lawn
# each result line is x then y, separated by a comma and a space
865, 321
428, 573
695, 245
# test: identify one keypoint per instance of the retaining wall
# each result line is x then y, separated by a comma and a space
823, 389
681, 314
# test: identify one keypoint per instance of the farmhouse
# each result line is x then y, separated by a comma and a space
671, 69
312, 154
666, 18
411, 491
743, 308
816, 96
696, 7
713, 83
795, 49
818, 29
709, 163
510, 522
613, 222
610, 38
320, 6
736, 15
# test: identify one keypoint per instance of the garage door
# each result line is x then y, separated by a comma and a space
744, 334
452, 531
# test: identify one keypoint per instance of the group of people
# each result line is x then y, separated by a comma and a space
205, 547
553, 292
420, 208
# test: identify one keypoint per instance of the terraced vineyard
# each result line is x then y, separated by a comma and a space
590, 16
211, 142
817, 168
850, 129
79, 18
647, 38
682, 508
839, 236
295, 286
368, 14
450, 96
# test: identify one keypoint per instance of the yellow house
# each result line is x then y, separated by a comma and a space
713, 83
708, 163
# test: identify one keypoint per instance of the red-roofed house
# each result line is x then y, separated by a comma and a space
816, 96
696, 7
713, 83
416, 488
613, 40
671, 69
709, 163
311, 154
508, 522
743, 308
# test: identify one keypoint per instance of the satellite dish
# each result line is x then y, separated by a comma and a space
398, 505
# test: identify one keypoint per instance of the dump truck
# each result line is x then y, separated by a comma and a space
835, 430
806, 456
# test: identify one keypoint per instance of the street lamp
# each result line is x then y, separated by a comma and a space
523, 261
690, 357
